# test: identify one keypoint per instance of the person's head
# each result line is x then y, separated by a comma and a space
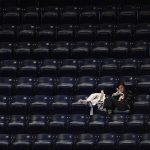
121, 87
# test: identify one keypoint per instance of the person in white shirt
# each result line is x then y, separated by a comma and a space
95, 99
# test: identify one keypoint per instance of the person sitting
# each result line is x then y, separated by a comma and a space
121, 100
93, 100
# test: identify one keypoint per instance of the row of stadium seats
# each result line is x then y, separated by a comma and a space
65, 50
70, 85
59, 104
90, 33
74, 67
73, 15
75, 123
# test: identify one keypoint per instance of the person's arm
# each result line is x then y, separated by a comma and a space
129, 98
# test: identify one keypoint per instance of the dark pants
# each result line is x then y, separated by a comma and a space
111, 103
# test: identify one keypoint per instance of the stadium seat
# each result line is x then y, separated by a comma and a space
3, 124
144, 67
4, 100
4, 141
144, 142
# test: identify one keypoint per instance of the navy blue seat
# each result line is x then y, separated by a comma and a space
22, 50
88, 67
3, 124
6, 50
45, 86
48, 67
109, 66
144, 142
128, 66
143, 84
77, 123
85, 141
17, 124
107, 83
8, 68
6, 86
144, 14
42, 141
39, 104
106, 141
60, 50
24, 86
65, 85
37, 124
77, 107
27, 68
136, 123
46, 33
21, 141
57, 123
68, 67
97, 123
100, 49
19, 104
5, 140
41, 51
128, 140
142, 104
144, 67
117, 123
64, 141
86, 85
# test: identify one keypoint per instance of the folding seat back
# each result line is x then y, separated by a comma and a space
77, 123
6, 51
46, 33
12, 16
97, 123
58, 123
22, 50
107, 83
28, 68
88, 67
39, 104
17, 124
3, 125
45, 86
4, 141
65, 141
18, 104
8, 68
127, 140
43, 141
60, 50
109, 66
106, 141
65, 85
143, 84
6, 86
78, 107
80, 49
144, 66
61, 104
144, 142
144, 14
65, 33
68, 67
37, 123
21, 141
48, 67
24, 85
142, 104
86, 85
117, 123
86, 141
128, 66
136, 123
69, 15
50, 15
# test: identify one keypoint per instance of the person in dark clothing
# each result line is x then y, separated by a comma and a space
121, 100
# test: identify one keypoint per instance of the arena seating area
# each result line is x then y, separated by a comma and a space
55, 52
